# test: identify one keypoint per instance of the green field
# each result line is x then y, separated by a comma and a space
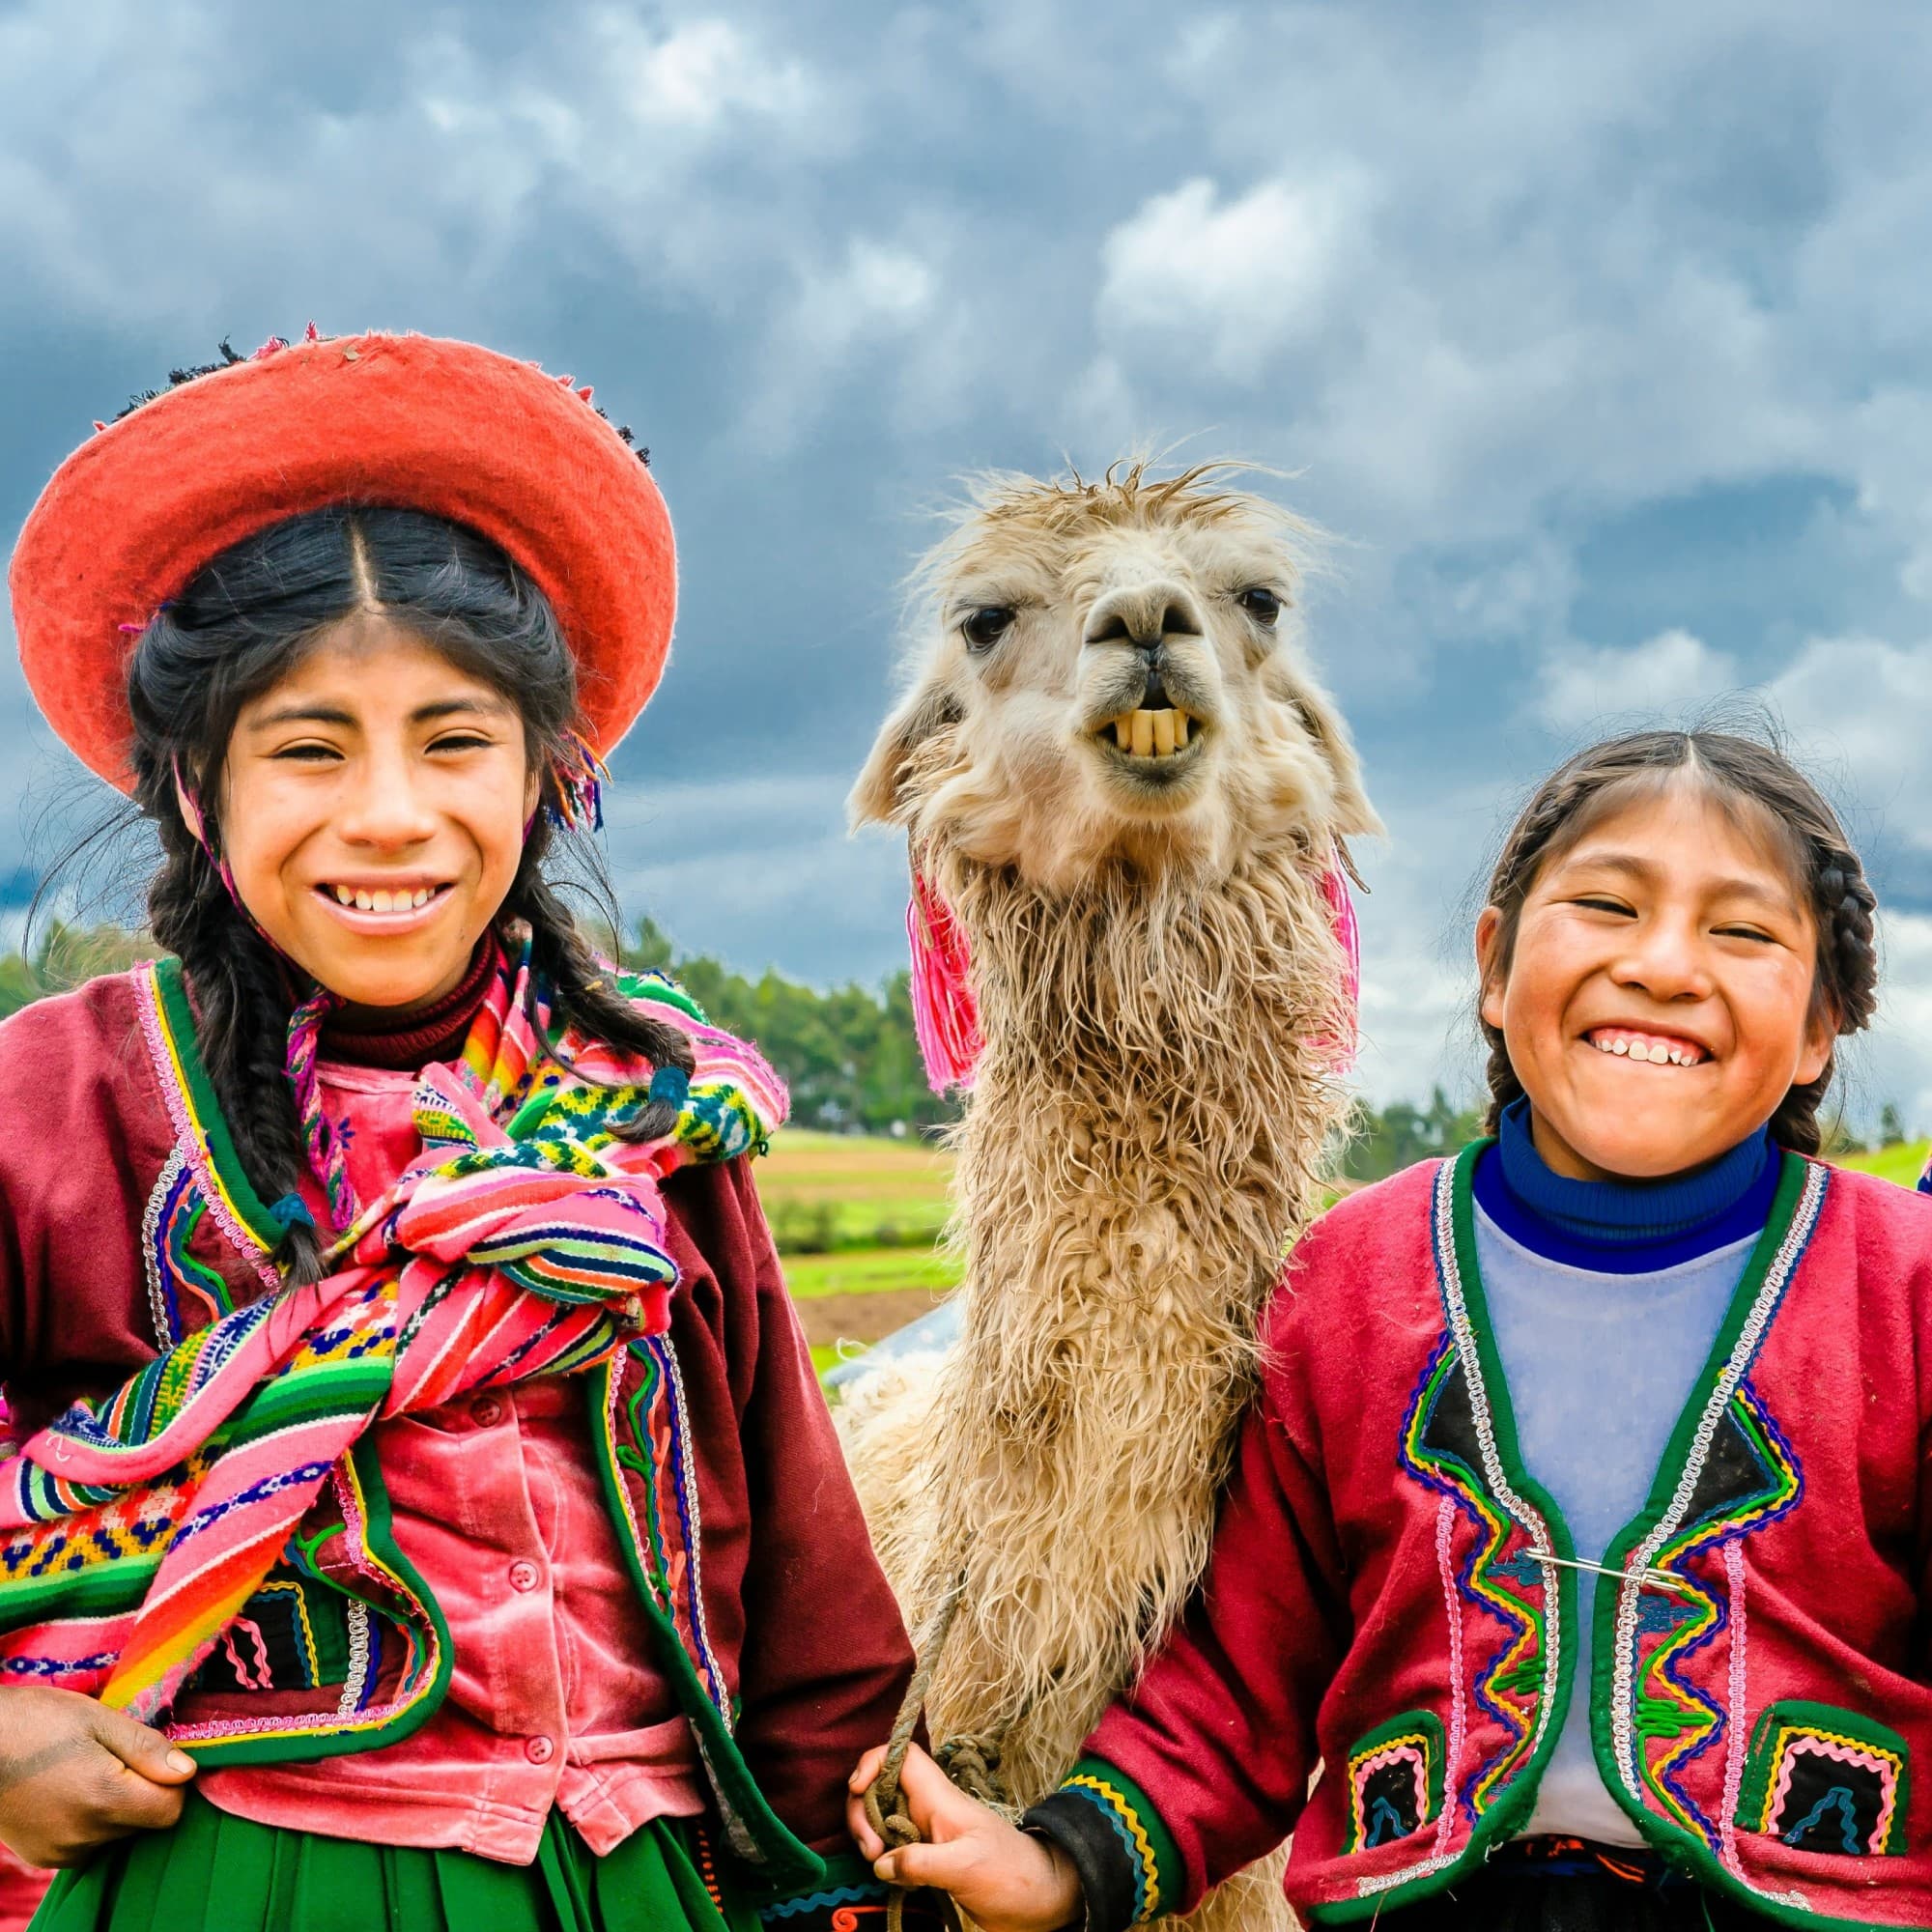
1902, 1161
870, 1270
827, 1192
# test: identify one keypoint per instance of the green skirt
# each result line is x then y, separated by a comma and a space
214, 1873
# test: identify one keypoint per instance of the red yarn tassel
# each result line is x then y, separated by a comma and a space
1342, 917
945, 1015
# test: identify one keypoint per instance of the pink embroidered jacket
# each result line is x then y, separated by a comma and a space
1388, 1597
126, 1221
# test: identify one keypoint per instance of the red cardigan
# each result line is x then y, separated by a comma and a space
1375, 1604
126, 1220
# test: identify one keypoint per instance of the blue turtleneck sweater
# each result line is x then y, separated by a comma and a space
1605, 1297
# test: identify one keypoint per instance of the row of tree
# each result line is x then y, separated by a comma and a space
848, 1055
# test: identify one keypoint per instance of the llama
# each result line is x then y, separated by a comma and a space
1120, 778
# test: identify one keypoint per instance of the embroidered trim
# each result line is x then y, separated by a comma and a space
1678, 1711
660, 1454
356, 1682
821, 1901
1826, 1780
1445, 1524
1395, 1781
154, 1217
193, 1129
1113, 1806
1499, 1688
1734, 1753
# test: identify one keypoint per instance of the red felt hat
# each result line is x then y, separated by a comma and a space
409, 421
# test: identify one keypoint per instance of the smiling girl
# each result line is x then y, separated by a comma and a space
1581, 1533
422, 1511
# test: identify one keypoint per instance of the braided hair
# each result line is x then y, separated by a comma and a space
240, 627
1735, 772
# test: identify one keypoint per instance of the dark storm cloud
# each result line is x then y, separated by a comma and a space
1604, 342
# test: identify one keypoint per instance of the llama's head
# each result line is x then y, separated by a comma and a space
1111, 671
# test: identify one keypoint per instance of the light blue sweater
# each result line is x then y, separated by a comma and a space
1599, 1352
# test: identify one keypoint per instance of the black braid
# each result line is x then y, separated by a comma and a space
1824, 863
241, 1017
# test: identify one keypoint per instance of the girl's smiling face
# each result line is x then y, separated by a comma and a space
371, 812
1658, 1004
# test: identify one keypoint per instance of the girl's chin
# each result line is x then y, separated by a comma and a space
362, 975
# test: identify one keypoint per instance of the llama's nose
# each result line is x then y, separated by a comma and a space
1143, 614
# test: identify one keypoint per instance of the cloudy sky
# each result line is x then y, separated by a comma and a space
1602, 337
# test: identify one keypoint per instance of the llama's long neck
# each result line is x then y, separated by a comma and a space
1142, 1140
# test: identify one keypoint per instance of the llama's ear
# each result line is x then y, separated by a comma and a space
879, 796
1353, 816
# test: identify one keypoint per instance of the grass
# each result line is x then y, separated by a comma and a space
854, 1214
864, 1271
1902, 1161
829, 1192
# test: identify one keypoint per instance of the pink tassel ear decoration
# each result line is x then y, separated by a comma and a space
1347, 935
945, 1015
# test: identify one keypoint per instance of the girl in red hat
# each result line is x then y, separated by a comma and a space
422, 1509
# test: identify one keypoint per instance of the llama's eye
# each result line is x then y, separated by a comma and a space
1260, 603
985, 627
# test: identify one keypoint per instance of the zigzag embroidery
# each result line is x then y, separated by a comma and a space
1113, 1805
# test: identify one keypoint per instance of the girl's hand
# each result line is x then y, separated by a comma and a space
1003, 1878
75, 1775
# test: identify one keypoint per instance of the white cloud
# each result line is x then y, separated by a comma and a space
1671, 673
1237, 279
1864, 706
700, 73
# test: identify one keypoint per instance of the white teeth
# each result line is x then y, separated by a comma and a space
1655, 1055
422, 896
343, 893
380, 901
363, 900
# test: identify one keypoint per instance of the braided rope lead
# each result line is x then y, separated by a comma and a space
885, 1803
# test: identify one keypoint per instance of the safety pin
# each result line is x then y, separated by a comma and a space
1656, 1579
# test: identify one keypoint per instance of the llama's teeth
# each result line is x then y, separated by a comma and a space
363, 902
1163, 733
1143, 734
1180, 729
1123, 730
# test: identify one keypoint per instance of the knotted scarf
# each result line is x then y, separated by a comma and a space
526, 1238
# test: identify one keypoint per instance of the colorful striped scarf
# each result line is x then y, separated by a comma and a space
527, 1239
